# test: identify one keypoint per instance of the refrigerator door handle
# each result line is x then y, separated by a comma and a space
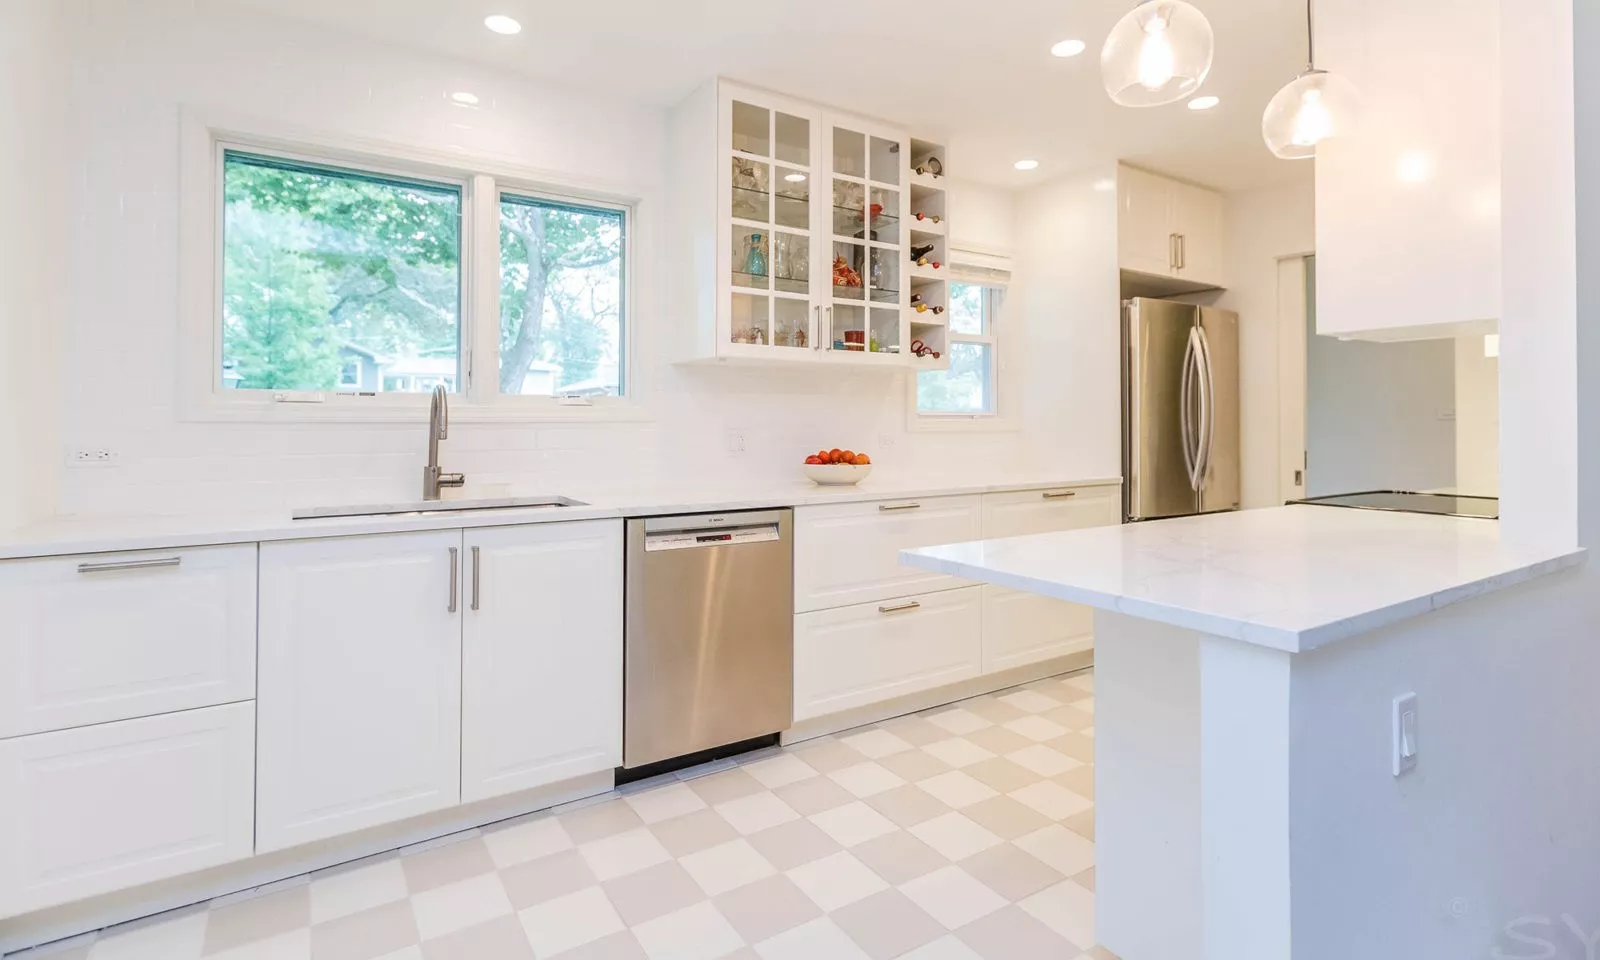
1191, 451
1208, 402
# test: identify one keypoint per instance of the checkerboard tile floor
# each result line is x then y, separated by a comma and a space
959, 833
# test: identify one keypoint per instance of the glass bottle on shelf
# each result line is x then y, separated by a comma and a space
756, 260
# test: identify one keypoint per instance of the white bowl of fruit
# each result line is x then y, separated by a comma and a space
838, 467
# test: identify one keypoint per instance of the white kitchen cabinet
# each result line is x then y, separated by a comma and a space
1169, 229
541, 655
1025, 512
100, 808
1408, 206
867, 653
97, 638
360, 683
850, 553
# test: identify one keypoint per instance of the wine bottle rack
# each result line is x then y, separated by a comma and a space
929, 196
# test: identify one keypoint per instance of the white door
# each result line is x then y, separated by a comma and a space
541, 655
1145, 232
360, 684
101, 808
1200, 227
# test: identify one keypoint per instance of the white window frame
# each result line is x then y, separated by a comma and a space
999, 416
203, 397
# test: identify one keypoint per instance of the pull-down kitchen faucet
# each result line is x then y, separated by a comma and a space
438, 429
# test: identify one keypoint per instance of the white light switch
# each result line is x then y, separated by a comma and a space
1405, 733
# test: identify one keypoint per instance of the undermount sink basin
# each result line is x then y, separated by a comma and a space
425, 507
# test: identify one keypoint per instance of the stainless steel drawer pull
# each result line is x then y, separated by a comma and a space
1060, 494
888, 507
477, 576
146, 564
900, 607
455, 578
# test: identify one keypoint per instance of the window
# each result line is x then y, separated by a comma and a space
327, 269
969, 388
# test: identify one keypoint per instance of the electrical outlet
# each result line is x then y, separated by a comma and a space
91, 457
885, 440
735, 442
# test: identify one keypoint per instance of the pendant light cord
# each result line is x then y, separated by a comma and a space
1311, 40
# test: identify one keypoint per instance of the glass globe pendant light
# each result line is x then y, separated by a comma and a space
1159, 53
1313, 107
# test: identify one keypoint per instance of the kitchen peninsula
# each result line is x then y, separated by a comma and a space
1231, 650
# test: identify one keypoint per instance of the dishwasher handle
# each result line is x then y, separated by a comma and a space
712, 530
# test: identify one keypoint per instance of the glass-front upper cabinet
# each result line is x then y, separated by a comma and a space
867, 172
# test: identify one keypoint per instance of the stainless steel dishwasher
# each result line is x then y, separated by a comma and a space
709, 635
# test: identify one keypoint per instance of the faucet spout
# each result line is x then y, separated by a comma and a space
438, 429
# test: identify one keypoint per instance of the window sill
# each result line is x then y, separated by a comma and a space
960, 423
413, 409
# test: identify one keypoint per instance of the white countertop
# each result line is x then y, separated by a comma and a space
1290, 578
69, 536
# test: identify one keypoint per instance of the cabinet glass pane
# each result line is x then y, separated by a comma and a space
849, 327
749, 318
885, 160
849, 269
752, 190
750, 258
884, 336
849, 209
794, 140
791, 263
791, 323
792, 199
849, 153
885, 215
883, 275
750, 129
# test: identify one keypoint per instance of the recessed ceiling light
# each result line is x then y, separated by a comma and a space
1204, 103
1105, 186
464, 98
1414, 167
795, 177
1026, 164
502, 24
1068, 48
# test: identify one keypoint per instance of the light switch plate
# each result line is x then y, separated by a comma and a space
1404, 725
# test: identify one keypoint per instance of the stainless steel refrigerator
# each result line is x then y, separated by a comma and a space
1180, 409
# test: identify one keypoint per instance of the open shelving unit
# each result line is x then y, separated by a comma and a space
927, 256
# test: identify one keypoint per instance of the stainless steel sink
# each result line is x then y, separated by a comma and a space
427, 507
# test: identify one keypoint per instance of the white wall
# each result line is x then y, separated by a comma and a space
982, 217
32, 50
137, 63
1477, 419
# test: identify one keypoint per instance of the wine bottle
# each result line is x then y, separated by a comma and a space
925, 262
931, 218
930, 167
917, 253
924, 308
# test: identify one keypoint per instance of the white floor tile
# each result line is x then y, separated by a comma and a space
953, 896
780, 771
459, 905
1037, 729
837, 880
1051, 799
570, 921
726, 866
699, 932
959, 722
1066, 908
294, 945
957, 789
1061, 848
947, 948
821, 939
664, 802
340, 894
867, 779
1044, 761
1030, 701
958, 752
178, 938
874, 744
625, 853
756, 812
854, 823
955, 836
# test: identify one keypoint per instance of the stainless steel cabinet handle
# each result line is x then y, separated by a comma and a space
1172, 251
1183, 251
828, 332
148, 563
477, 576
816, 330
900, 607
1059, 494
887, 507
455, 577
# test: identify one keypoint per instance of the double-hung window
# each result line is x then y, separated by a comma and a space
353, 283
971, 387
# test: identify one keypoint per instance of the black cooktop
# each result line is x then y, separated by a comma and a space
1400, 501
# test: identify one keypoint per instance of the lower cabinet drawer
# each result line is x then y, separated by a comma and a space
1022, 628
854, 656
95, 809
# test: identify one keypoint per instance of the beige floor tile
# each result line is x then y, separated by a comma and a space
336, 894
78, 949
600, 820
815, 795
693, 832
1071, 717
1079, 780
957, 720
781, 770
853, 823
664, 802
727, 866
1037, 728
499, 939
1029, 701
915, 730
952, 896
1101, 953
617, 946
866, 779
624, 853
258, 918
532, 883
365, 935
1085, 879
756, 812
524, 840
954, 836
1074, 745
875, 743
914, 765
438, 866
1002, 775
949, 948
957, 751
827, 756
998, 740
887, 925
1052, 799
569, 922
294, 945
725, 786
1066, 908
1011, 934
653, 892
1005, 817
698, 932
956, 789
996, 711
1068, 852
1040, 759
1082, 823
836, 880
1010, 872
898, 857
180, 934
456, 906
821, 939
766, 908
792, 844
907, 806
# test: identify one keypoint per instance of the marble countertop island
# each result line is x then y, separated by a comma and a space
1289, 578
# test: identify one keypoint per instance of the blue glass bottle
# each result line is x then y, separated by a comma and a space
756, 261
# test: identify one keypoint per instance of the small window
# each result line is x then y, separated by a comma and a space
969, 388
562, 302
338, 279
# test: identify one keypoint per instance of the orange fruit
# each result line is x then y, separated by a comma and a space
862, 459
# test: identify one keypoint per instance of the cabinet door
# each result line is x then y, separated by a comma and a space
850, 553
1022, 628
541, 655
869, 268
1145, 217
1199, 225
360, 684
108, 637
95, 809
1027, 512
865, 654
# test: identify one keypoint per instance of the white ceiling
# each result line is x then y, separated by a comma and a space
978, 73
